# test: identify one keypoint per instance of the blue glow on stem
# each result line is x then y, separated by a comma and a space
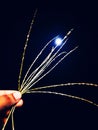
58, 41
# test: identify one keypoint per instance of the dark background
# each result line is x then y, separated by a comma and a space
53, 18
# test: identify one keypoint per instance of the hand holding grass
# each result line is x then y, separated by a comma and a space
34, 75
9, 98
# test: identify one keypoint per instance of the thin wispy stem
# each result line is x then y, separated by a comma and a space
11, 111
66, 84
26, 43
65, 95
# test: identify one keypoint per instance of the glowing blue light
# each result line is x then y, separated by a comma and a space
58, 41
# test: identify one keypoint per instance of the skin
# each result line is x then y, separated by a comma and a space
9, 98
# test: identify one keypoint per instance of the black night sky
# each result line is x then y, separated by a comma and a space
53, 18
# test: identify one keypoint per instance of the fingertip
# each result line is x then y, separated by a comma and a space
17, 95
20, 103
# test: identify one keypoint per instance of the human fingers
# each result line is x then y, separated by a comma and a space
20, 103
9, 98
4, 118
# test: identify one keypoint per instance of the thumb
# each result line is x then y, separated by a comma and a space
9, 98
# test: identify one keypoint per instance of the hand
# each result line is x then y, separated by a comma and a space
9, 98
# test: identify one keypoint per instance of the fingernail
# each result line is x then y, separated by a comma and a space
17, 95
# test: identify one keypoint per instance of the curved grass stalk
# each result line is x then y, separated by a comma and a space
66, 84
25, 47
65, 95
10, 114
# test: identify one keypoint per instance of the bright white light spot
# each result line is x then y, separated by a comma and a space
58, 41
